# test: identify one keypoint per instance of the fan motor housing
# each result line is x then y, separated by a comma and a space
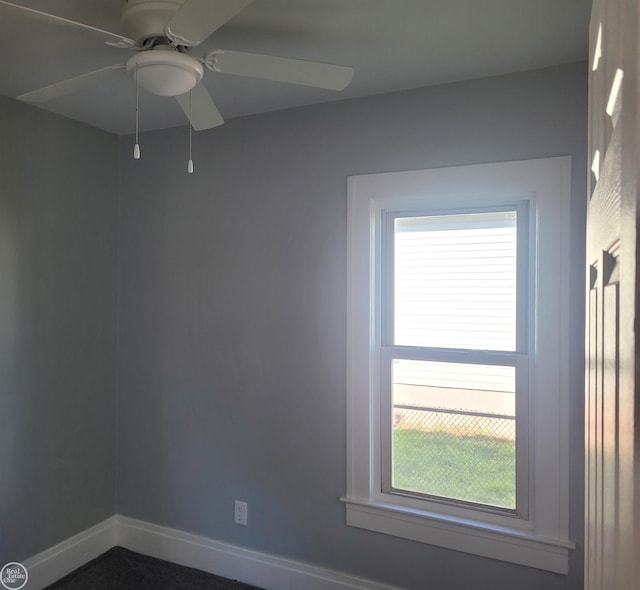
144, 19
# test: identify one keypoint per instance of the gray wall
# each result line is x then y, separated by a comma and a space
58, 310
233, 313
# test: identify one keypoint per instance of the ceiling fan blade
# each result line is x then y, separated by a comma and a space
200, 108
197, 19
109, 38
280, 69
72, 84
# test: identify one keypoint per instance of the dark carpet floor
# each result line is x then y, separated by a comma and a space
121, 569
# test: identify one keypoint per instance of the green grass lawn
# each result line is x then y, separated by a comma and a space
472, 468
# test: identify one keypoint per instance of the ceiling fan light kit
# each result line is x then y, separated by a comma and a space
164, 71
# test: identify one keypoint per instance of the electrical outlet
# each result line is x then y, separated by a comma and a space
240, 513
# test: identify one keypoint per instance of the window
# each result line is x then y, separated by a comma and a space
451, 288
457, 335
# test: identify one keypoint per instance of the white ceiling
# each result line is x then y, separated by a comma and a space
393, 45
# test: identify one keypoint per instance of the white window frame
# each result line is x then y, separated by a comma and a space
518, 358
539, 536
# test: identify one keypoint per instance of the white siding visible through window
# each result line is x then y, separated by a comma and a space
458, 376
455, 281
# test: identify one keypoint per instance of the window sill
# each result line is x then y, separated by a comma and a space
477, 538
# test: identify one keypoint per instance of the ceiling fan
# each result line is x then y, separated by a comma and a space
162, 34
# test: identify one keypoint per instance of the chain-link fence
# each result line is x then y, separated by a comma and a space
458, 422
457, 454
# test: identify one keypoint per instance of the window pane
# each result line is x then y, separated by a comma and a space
455, 281
454, 431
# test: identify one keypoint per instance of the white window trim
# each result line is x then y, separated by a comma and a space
540, 540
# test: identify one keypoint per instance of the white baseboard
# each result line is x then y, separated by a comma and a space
56, 562
230, 561
251, 567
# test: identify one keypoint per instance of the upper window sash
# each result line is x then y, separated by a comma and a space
387, 279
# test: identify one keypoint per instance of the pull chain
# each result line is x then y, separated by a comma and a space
190, 163
136, 147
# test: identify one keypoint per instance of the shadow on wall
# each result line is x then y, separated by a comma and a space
58, 248
16, 403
